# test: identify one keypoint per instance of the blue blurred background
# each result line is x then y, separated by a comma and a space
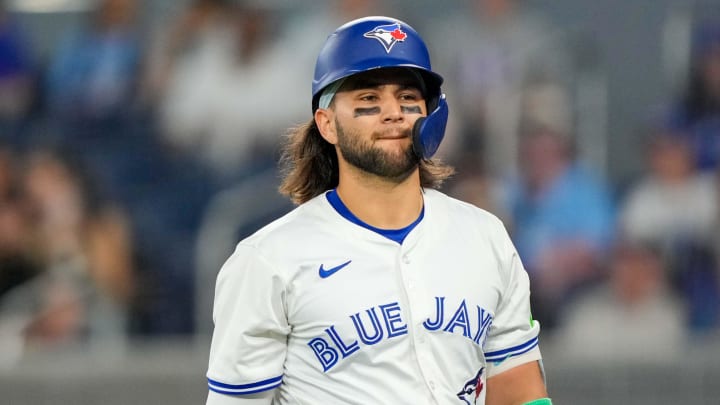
139, 141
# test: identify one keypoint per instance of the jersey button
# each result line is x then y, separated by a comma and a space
432, 385
406, 259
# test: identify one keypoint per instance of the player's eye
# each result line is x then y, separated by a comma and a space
368, 97
410, 95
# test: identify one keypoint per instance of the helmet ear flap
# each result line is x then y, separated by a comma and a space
428, 132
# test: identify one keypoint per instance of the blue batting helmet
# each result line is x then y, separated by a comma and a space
382, 42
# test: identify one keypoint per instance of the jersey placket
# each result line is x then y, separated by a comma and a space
412, 297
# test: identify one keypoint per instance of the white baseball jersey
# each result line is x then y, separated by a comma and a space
331, 312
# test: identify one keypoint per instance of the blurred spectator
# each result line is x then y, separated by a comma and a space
632, 317
94, 72
474, 183
19, 264
16, 70
202, 30
218, 74
17, 261
672, 200
561, 217
675, 207
260, 98
83, 237
188, 61
699, 109
83, 286
489, 54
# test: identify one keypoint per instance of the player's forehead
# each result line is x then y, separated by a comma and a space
403, 77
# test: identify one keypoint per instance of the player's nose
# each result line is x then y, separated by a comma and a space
392, 110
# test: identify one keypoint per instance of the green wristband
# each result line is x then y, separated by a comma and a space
541, 401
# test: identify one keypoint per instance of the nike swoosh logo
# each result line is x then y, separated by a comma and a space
325, 273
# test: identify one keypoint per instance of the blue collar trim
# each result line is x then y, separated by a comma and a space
397, 235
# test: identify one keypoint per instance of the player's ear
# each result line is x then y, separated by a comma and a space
326, 125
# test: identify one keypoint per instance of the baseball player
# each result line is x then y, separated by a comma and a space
376, 289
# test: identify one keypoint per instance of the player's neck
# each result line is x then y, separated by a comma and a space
382, 203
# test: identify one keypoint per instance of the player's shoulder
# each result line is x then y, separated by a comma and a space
289, 229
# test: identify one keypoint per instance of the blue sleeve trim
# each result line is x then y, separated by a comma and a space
252, 388
500, 355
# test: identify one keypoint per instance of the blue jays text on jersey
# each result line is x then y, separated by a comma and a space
371, 328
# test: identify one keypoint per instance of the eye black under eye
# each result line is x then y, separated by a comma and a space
411, 109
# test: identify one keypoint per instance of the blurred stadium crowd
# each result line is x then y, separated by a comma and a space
133, 156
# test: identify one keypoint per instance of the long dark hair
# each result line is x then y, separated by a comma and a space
309, 165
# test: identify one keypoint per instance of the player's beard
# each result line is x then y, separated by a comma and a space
374, 160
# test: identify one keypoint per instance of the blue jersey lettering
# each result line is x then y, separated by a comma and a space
362, 332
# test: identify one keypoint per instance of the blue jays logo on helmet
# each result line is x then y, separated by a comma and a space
387, 35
